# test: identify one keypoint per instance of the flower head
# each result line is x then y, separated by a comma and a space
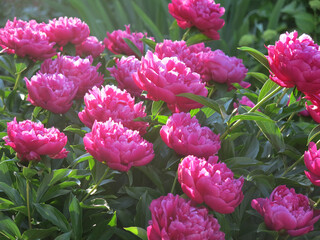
312, 162
203, 14
165, 78
175, 218
117, 146
31, 140
287, 210
111, 102
53, 92
295, 62
123, 71
210, 182
90, 46
185, 135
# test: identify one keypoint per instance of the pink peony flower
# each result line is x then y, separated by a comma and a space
76, 69
118, 147
295, 62
185, 135
287, 210
312, 162
53, 92
176, 218
31, 140
26, 39
65, 30
165, 78
246, 102
220, 68
203, 14
313, 111
123, 71
111, 102
115, 43
210, 182
91, 46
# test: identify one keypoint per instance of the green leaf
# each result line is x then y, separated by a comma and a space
12, 193
139, 232
53, 215
314, 133
75, 129
260, 57
152, 44
254, 116
305, 21
65, 236
20, 67
28, 173
5, 204
174, 31
143, 213
8, 78
263, 228
34, 234
259, 76
113, 220
8, 227
36, 112
133, 47
76, 218
155, 108
197, 38
203, 100
273, 22
237, 162
268, 87
148, 22
151, 173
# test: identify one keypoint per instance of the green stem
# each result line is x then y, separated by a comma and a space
96, 186
317, 203
262, 101
174, 183
185, 34
282, 95
17, 81
28, 198
289, 119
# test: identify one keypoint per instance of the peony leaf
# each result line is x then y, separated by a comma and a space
8, 228
268, 87
152, 44
203, 100
260, 57
139, 232
133, 47
259, 76
197, 38
263, 228
75, 129
174, 31
33, 234
76, 218
313, 134
254, 116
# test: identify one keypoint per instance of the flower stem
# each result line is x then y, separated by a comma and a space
262, 101
282, 95
174, 183
185, 34
317, 203
97, 185
28, 198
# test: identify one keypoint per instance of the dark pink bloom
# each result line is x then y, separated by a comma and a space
32, 140
287, 210
111, 102
53, 92
176, 218
165, 78
314, 112
65, 30
210, 182
312, 162
91, 46
185, 135
246, 102
203, 14
76, 69
115, 43
117, 146
123, 71
220, 68
26, 39
295, 62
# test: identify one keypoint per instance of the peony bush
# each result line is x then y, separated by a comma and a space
148, 137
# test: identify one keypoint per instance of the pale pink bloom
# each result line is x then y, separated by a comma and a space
123, 71
312, 162
115, 41
165, 78
117, 146
176, 218
32, 140
287, 210
26, 39
53, 92
220, 68
91, 46
111, 102
76, 69
210, 183
203, 14
65, 30
295, 62
185, 136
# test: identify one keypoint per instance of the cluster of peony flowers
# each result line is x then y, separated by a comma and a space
111, 102
61, 80
287, 210
210, 182
312, 162
176, 218
202, 14
211, 65
165, 78
115, 43
32, 140
186, 137
117, 146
